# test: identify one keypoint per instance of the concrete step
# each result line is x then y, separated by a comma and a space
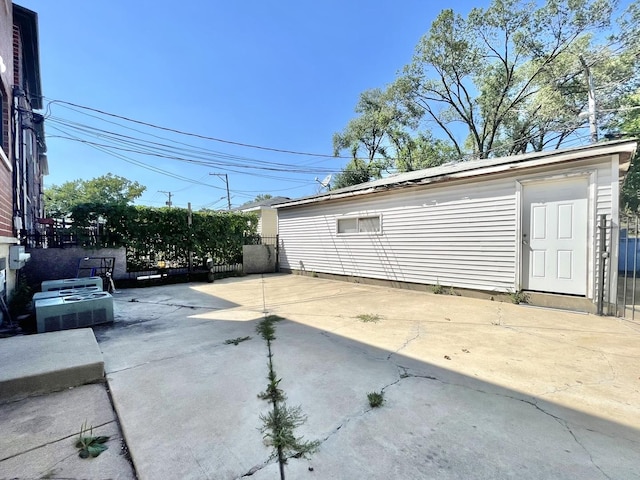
48, 362
561, 302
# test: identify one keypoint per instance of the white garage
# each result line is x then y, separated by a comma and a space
526, 222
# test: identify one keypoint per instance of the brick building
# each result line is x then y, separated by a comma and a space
22, 154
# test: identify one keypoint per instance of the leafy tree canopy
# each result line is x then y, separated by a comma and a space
503, 80
514, 75
367, 137
628, 125
356, 171
108, 189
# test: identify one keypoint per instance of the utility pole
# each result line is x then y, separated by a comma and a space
226, 180
593, 127
189, 223
169, 194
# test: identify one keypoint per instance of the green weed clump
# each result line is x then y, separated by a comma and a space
518, 297
376, 399
90, 446
369, 317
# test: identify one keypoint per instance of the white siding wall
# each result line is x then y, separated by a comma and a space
268, 224
462, 236
457, 234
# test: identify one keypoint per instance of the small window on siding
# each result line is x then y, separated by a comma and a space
360, 225
347, 225
369, 225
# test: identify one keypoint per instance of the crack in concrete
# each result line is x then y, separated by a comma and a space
350, 418
55, 441
407, 341
405, 374
562, 342
170, 357
256, 468
601, 354
164, 304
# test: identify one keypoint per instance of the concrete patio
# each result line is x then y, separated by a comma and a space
473, 388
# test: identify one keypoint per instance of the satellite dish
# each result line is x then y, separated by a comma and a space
325, 183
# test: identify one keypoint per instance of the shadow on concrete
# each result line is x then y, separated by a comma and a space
174, 378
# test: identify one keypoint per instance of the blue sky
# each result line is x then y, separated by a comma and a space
284, 75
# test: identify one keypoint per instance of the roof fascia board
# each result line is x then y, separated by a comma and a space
625, 149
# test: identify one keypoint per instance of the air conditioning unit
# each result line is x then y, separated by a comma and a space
76, 311
68, 283
66, 293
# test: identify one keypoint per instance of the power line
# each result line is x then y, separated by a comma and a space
140, 143
182, 132
108, 149
149, 167
195, 160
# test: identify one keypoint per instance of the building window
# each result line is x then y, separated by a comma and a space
368, 224
4, 130
2, 127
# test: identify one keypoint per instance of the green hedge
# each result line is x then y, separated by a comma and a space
163, 234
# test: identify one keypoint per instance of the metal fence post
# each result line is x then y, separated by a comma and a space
602, 255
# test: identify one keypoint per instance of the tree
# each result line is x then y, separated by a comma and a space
356, 172
509, 78
422, 151
369, 136
108, 189
629, 125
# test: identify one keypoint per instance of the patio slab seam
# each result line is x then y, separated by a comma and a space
53, 442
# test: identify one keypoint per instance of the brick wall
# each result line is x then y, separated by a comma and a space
6, 176
6, 201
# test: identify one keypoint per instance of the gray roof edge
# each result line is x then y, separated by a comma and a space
268, 203
471, 168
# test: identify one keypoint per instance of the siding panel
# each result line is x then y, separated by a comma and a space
463, 237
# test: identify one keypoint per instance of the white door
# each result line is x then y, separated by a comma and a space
554, 236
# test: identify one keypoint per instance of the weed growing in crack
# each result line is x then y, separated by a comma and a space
89, 445
278, 426
376, 399
437, 288
518, 296
236, 341
369, 317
